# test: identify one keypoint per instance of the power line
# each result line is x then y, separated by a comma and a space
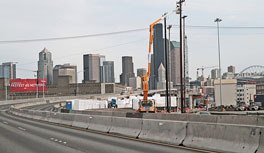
121, 32
222, 27
71, 37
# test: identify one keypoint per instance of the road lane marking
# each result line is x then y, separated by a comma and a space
20, 128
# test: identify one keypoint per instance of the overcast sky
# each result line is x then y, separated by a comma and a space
33, 19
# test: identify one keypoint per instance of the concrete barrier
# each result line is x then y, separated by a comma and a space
171, 132
202, 118
160, 116
119, 114
237, 119
261, 141
100, 123
55, 117
222, 137
45, 116
81, 121
66, 119
126, 126
37, 115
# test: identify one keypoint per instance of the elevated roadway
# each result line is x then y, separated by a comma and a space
20, 135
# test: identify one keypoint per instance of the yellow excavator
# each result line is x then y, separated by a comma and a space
148, 105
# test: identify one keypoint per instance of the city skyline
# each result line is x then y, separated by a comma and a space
202, 41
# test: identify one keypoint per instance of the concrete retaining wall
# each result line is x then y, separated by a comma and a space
261, 141
66, 119
172, 132
222, 137
126, 126
81, 121
100, 123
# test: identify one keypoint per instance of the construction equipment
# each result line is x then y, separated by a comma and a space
148, 105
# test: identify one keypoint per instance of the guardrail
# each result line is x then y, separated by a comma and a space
217, 133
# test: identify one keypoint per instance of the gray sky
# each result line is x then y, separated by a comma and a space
31, 19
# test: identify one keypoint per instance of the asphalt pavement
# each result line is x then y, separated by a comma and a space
20, 135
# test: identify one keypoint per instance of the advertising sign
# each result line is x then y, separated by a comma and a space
28, 85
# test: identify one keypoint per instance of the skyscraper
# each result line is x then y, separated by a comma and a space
141, 72
175, 63
158, 54
161, 84
8, 70
108, 72
65, 70
127, 70
45, 66
102, 59
91, 68
231, 69
215, 74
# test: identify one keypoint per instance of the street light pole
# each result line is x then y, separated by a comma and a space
217, 20
184, 56
166, 65
179, 11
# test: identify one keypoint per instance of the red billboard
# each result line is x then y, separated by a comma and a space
28, 85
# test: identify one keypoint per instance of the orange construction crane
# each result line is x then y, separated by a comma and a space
149, 105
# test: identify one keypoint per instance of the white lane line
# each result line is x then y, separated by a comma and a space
5, 122
57, 140
20, 128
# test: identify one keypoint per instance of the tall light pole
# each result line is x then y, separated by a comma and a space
184, 61
179, 11
217, 20
166, 63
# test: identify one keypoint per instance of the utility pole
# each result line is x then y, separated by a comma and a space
166, 65
184, 61
217, 20
179, 11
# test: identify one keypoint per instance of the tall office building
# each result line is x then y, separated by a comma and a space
158, 54
161, 84
102, 59
8, 70
215, 74
141, 72
45, 66
231, 69
108, 72
175, 63
65, 70
127, 70
91, 67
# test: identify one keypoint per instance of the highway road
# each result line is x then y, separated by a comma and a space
20, 135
